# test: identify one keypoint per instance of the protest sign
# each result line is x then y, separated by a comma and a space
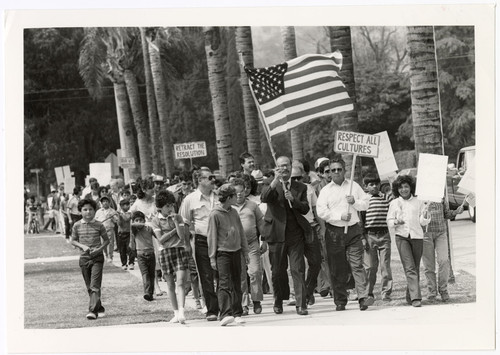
62, 172
69, 184
190, 150
385, 162
431, 177
113, 160
362, 144
101, 171
468, 182
127, 162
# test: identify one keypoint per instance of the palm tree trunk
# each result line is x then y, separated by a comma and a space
425, 113
244, 48
217, 81
126, 128
154, 124
141, 126
340, 39
161, 101
290, 50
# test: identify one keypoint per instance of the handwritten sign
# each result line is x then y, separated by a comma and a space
190, 150
101, 171
127, 162
468, 182
362, 144
431, 177
385, 162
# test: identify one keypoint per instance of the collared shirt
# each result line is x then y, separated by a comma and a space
376, 214
162, 225
439, 212
332, 203
195, 210
411, 212
225, 232
142, 238
73, 205
89, 233
251, 218
108, 217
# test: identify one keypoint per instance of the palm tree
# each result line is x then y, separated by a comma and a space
153, 36
244, 48
425, 113
154, 123
340, 39
98, 62
290, 50
217, 82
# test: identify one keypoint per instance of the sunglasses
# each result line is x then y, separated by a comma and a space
211, 177
296, 178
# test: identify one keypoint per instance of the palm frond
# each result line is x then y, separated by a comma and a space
91, 62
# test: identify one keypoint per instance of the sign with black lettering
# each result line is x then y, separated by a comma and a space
126, 162
362, 144
190, 150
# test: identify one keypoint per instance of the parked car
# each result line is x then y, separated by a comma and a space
453, 177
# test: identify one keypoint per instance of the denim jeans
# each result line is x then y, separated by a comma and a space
92, 275
436, 245
345, 253
207, 274
254, 274
229, 288
410, 252
147, 264
122, 241
379, 254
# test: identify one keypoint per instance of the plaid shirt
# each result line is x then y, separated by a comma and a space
440, 212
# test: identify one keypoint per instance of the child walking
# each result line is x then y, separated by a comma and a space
141, 244
226, 241
123, 237
108, 217
168, 227
91, 237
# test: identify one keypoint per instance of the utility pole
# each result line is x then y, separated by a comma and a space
37, 171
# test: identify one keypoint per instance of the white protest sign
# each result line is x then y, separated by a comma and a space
69, 185
62, 172
126, 162
101, 171
362, 144
385, 162
471, 200
190, 150
113, 160
431, 177
468, 182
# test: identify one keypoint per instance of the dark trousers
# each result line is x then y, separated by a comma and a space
278, 255
312, 252
206, 273
74, 219
122, 241
67, 231
345, 251
92, 275
147, 265
229, 289
410, 252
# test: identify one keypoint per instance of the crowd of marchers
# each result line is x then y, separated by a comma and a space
292, 231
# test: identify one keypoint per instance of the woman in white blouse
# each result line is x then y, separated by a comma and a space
405, 219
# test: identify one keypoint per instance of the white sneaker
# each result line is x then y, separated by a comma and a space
239, 320
101, 314
226, 321
131, 267
292, 301
204, 310
124, 267
91, 315
174, 320
181, 317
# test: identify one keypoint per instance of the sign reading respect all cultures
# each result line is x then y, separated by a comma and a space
362, 144
190, 150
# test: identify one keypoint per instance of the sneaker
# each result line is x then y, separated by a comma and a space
198, 304
204, 310
101, 314
353, 296
148, 297
239, 320
131, 267
292, 301
226, 320
91, 316
445, 297
124, 267
213, 317
181, 317
416, 303
245, 311
257, 307
174, 320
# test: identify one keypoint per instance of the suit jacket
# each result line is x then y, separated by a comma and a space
275, 218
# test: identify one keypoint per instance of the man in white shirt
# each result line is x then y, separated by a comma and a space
339, 207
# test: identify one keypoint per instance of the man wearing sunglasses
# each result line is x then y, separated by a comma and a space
339, 207
286, 231
195, 210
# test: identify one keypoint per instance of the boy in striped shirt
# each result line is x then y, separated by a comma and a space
378, 246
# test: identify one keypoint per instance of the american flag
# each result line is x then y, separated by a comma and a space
299, 90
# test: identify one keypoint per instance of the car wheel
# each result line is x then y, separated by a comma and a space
472, 214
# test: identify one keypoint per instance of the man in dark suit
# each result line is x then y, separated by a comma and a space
286, 231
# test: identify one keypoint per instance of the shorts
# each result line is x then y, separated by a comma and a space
173, 260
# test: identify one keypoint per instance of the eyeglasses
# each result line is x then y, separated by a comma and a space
296, 178
337, 170
327, 171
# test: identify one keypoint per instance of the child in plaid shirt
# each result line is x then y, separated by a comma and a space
90, 236
108, 217
169, 229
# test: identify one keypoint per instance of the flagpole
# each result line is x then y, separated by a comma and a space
267, 133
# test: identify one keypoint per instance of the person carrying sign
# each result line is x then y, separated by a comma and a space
339, 208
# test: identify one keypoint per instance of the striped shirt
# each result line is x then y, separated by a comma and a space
142, 239
376, 214
89, 233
